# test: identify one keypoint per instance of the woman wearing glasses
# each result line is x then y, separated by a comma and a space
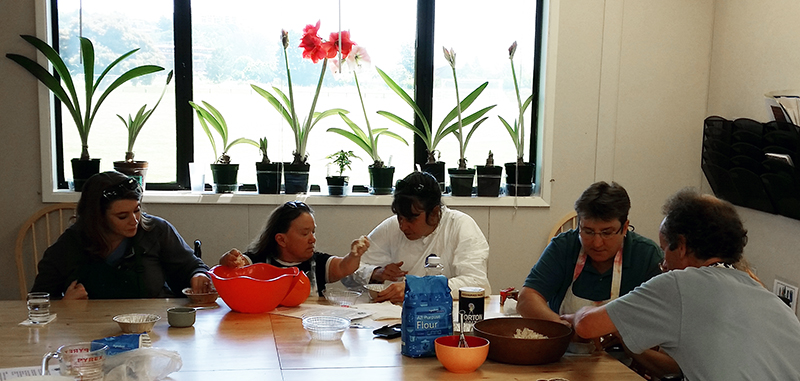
115, 251
288, 240
598, 262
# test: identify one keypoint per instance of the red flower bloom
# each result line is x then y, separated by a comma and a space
312, 45
332, 45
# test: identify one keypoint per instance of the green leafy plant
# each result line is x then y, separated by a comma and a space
342, 159
518, 131
210, 115
262, 146
450, 56
315, 49
430, 137
368, 140
134, 124
68, 96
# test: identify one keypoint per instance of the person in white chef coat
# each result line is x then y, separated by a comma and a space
423, 225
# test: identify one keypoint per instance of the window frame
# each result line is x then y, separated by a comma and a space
50, 107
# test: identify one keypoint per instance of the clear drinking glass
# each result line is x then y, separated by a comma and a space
38, 307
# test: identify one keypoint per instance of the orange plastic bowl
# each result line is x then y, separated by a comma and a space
253, 289
299, 291
461, 360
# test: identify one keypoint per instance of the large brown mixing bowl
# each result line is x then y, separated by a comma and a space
505, 348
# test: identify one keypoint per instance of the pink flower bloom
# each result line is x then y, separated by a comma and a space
358, 58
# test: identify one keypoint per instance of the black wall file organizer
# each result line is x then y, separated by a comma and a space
753, 164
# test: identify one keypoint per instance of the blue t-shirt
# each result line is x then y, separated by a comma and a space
717, 323
552, 274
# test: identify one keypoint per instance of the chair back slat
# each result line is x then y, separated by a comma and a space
35, 236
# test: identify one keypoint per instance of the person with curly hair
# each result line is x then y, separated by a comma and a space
715, 321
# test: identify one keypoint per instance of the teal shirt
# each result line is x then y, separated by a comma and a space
552, 274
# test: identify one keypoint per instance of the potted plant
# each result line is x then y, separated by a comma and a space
137, 168
314, 48
381, 177
430, 137
222, 170
337, 184
519, 174
83, 167
461, 178
268, 174
489, 176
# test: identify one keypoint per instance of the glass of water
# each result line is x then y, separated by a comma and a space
38, 307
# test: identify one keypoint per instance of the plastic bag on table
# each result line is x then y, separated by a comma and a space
143, 364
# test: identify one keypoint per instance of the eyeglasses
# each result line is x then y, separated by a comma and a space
604, 234
115, 192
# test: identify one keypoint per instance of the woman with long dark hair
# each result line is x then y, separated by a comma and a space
288, 240
114, 250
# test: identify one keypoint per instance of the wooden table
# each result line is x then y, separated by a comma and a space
225, 345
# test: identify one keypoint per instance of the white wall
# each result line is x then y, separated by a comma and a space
755, 51
627, 94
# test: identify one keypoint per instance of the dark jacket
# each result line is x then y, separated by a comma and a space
157, 263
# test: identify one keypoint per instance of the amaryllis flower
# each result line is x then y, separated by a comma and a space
332, 46
450, 56
285, 38
358, 58
511, 50
312, 45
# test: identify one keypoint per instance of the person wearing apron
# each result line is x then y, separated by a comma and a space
598, 261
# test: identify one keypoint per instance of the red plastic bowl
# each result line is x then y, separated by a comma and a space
253, 289
299, 291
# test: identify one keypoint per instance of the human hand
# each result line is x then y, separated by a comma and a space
359, 246
395, 293
200, 283
391, 272
568, 320
75, 291
233, 258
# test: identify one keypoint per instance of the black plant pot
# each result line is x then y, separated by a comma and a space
461, 181
268, 177
295, 176
225, 177
82, 170
337, 185
381, 180
489, 180
519, 179
135, 169
437, 170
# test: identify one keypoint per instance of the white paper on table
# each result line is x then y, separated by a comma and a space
351, 313
26, 371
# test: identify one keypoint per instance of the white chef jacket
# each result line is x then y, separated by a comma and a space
457, 240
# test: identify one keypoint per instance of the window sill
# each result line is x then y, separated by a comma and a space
253, 198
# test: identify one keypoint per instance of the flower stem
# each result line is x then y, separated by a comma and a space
462, 163
372, 143
521, 126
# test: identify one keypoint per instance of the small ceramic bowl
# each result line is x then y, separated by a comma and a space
181, 317
136, 323
461, 360
201, 298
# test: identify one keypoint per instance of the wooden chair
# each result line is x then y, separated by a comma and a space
566, 223
37, 234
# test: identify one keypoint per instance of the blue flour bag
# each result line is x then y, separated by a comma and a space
427, 314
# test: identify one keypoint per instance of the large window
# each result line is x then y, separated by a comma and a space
221, 50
